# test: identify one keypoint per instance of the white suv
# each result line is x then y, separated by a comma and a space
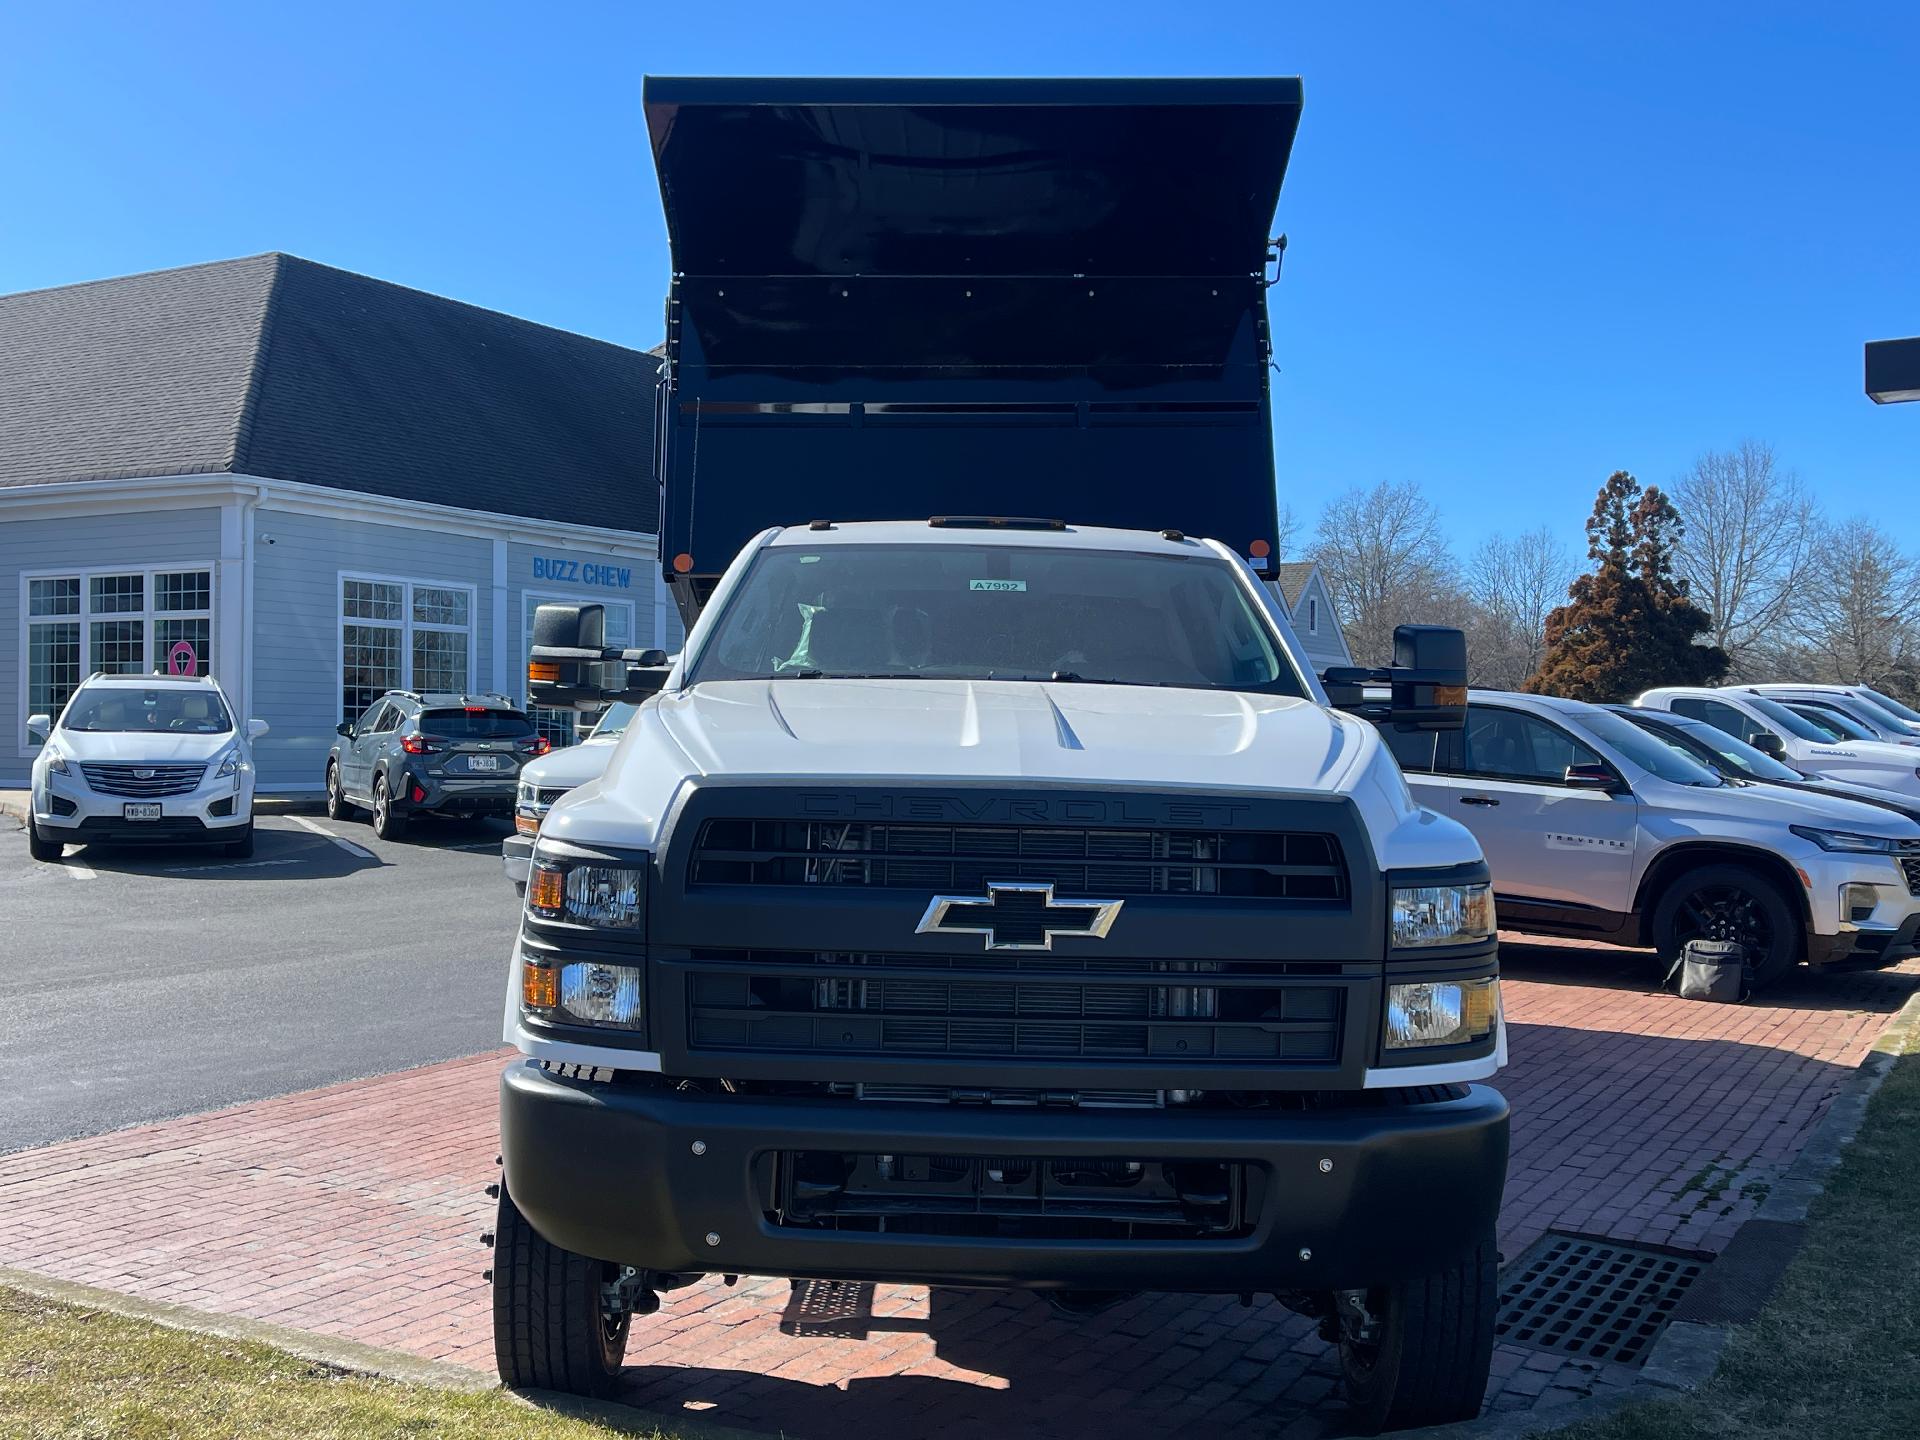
545, 780
1594, 828
1766, 724
140, 759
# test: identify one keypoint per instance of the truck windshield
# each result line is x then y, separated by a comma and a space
1887, 702
1786, 721
1736, 755
121, 708
988, 612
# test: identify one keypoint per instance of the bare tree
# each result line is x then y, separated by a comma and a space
1513, 583
1384, 558
1289, 531
1749, 537
1861, 612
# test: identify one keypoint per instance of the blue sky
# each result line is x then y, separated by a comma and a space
1530, 244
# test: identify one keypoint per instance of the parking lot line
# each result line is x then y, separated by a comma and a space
341, 841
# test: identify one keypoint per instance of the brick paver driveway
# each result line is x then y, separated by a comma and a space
355, 1211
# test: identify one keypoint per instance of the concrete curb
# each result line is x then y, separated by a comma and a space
1688, 1352
348, 1355
13, 805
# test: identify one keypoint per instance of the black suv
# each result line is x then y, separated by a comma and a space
416, 752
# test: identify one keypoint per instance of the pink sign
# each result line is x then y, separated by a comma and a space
180, 659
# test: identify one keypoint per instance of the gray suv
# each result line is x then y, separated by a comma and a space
429, 752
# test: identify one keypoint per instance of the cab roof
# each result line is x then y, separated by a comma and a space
956, 532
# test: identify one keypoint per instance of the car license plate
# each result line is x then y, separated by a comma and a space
486, 762
148, 811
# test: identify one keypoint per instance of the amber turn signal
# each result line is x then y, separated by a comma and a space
546, 889
543, 673
539, 987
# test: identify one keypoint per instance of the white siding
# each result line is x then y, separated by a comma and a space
131, 539
296, 623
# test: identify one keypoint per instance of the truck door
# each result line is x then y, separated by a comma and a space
1550, 846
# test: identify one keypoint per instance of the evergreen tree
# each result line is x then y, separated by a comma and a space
1629, 625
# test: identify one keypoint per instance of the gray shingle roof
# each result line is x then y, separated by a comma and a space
278, 367
1292, 579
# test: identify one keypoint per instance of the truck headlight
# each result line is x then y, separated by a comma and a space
1441, 1012
607, 896
1845, 841
1442, 915
588, 992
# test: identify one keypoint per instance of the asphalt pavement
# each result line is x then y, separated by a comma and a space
141, 984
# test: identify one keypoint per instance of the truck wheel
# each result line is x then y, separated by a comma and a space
1730, 902
1422, 1357
41, 848
386, 824
550, 1329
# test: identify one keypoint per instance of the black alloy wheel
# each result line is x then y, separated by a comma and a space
1730, 903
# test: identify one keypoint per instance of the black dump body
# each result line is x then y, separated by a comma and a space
898, 298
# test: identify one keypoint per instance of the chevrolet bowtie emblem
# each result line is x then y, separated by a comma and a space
1017, 916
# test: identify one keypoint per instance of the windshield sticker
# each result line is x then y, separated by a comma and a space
1019, 586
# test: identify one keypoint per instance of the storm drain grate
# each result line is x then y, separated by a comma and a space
1598, 1299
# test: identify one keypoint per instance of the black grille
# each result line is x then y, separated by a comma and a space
143, 782
547, 797
1047, 1007
1266, 864
1910, 862
1597, 1299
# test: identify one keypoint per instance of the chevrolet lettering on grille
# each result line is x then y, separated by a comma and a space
1016, 916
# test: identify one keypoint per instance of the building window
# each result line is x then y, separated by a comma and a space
561, 727
1313, 617
402, 635
120, 622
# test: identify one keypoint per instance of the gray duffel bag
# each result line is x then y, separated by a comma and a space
1712, 970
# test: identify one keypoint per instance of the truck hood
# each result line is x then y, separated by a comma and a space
573, 765
1012, 730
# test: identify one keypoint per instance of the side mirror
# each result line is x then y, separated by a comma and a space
39, 727
1427, 681
1592, 777
1768, 743
571, 667
344, 729
256, 728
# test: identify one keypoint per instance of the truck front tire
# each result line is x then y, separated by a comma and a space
1428, 1358
551, 1330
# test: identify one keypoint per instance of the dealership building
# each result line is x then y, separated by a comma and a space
315, 486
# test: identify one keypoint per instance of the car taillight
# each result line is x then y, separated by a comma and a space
538, 745
413, 745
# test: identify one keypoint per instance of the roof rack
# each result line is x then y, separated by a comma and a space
994, 522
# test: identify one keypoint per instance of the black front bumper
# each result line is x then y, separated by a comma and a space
1866, 948
1368, 1192
167, 830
